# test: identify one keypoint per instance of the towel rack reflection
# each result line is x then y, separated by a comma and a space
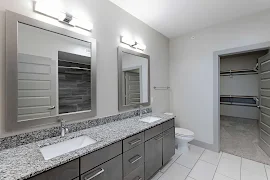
161, 88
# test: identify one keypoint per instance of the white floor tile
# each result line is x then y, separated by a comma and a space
253, 167
194, 151
203, 171
178, 152
230, 156
267, 168
211, 157
221, 177
229, 167
175, 172
173, 159
157, 176
189, 178
187, 160
247, 175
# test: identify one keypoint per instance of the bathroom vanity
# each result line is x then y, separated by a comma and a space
129, 150
137, 157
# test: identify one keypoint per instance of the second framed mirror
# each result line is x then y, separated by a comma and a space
133, 79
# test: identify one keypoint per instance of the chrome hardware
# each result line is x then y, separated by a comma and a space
135, 159
140, 109
135, 141
51, 108
95, 175
137, 178
64, 129
159, 138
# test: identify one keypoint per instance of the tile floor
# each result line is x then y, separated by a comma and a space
239, 136
202, 164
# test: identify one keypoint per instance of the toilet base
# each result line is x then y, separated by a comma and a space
182, 147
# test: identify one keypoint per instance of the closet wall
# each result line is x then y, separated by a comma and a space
240, 84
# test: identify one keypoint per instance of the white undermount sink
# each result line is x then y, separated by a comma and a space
64, 147
150, 119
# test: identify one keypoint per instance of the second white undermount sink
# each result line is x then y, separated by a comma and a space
64, 147
150, 119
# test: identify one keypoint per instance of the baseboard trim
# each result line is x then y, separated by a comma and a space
204, 145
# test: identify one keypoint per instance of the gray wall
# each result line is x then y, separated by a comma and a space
245, 85
192, 68
109, 23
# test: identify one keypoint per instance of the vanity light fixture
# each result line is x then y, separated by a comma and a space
132, 43
63, 17
128, 41
140, 46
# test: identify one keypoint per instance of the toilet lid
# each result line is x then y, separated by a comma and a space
183, 132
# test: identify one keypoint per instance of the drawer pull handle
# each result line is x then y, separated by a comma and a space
159, 138
135, 159
135, 141
137, 178
95, 175
51, 108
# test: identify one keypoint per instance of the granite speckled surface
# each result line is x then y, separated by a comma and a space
26, 161
34, 136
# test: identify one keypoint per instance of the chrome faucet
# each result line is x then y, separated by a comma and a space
140, 109
64, 129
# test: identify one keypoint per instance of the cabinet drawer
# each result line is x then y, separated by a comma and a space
133, 141
133, 158
137, 174
98, 157
150, 133
67, 171
167, 125
111, 170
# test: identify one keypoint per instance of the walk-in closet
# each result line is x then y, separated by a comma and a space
240, 105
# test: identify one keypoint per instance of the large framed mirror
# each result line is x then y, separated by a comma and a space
133, 79
50, 73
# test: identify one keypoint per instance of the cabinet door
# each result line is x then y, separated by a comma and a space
153, 156
111, 170
168, 145
67, 171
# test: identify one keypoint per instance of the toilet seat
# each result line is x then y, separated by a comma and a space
181, 132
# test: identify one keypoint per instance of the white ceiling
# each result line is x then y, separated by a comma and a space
176, 17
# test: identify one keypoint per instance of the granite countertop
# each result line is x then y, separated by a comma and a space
26, 161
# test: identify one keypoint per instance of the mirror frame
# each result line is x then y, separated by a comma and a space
11, 123
121, 106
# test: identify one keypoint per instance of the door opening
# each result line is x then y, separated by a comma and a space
244, 114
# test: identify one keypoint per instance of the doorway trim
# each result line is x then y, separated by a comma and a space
216, 83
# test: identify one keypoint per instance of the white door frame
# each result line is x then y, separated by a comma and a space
216, 83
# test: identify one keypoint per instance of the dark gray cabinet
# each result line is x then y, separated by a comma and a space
133, 159
111, 170
137, 174
67, 171
153, 155
96, 158
168, 145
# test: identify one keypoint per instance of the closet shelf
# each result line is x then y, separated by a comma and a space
239, 100
239, 72
76, 68
239, 104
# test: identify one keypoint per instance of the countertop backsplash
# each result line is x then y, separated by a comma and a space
30, 137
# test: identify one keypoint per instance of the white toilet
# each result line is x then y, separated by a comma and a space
182, 138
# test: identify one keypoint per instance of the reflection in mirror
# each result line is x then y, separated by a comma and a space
133, 77
54, 74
